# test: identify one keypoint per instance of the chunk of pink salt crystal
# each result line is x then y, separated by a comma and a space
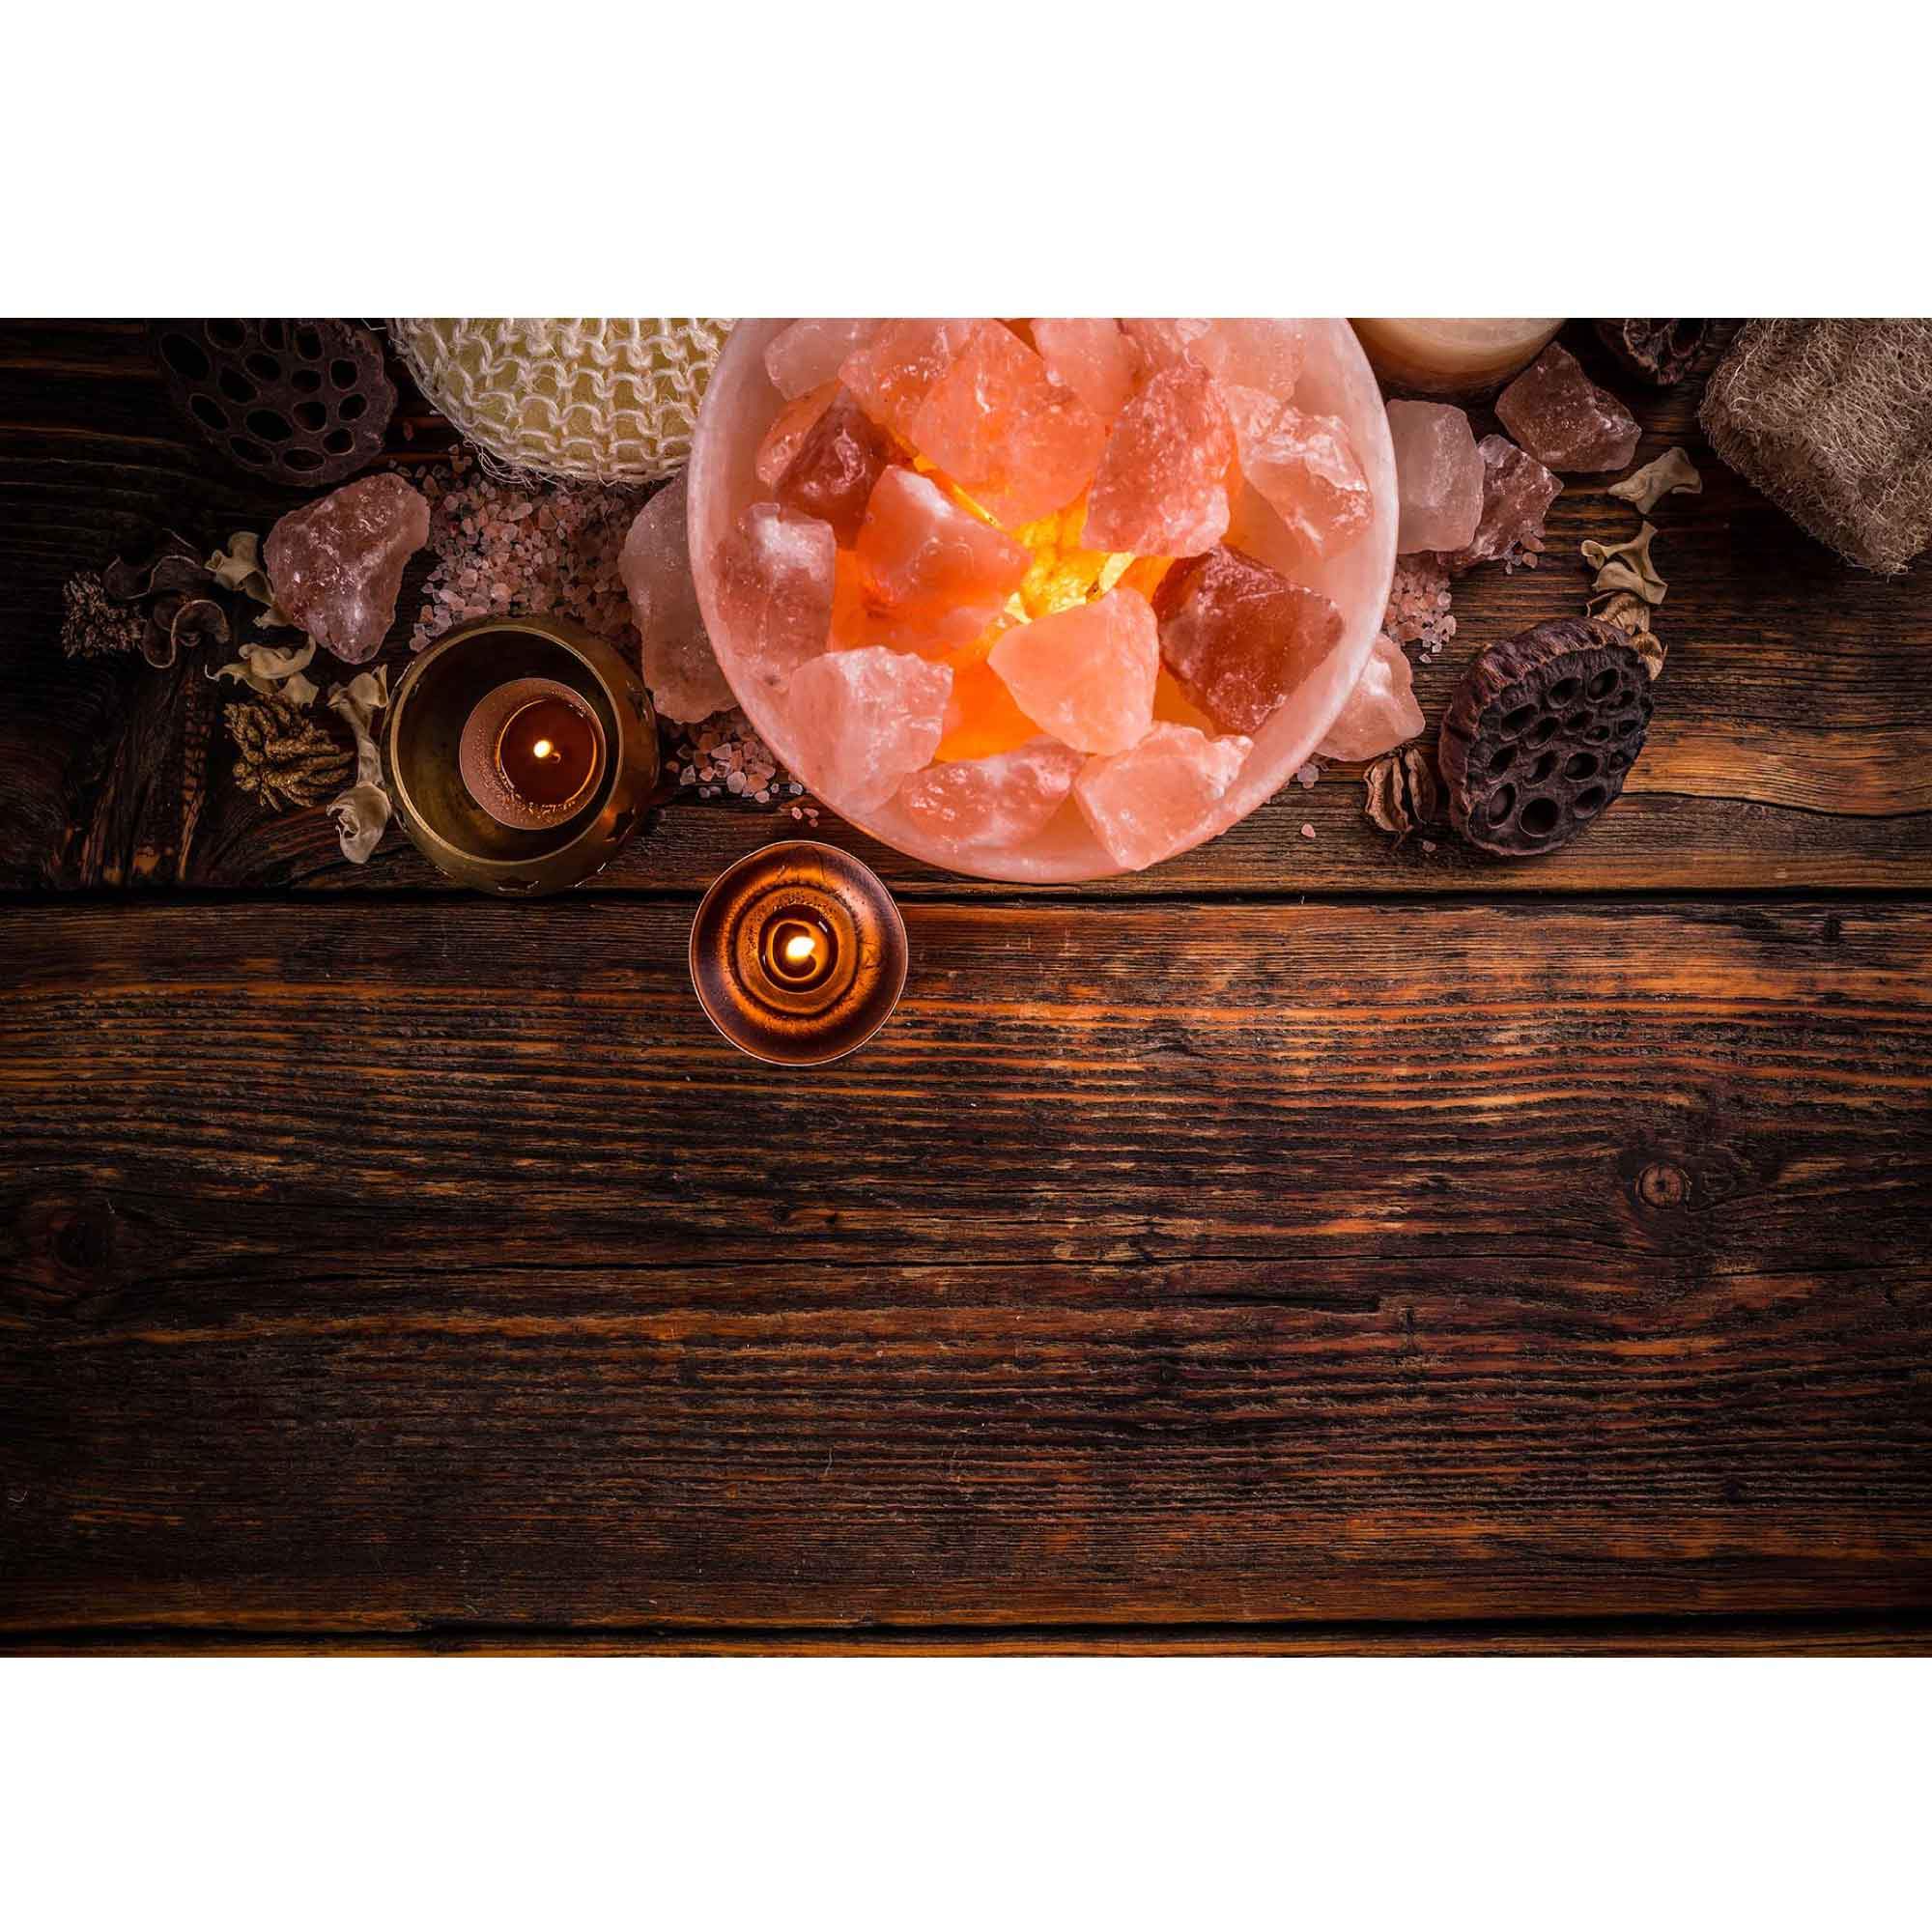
837, 462
1161, 489
1164, 339
1021, 445
1304, 466
1085, 673
1092, 356
807, 354
1380, 713
1254, 353
679, 665
776, 572
862, 720
335, 565
1438, 477
999, 802
1564, 419
934, 575
781, 442
1146, 803
1518, 492
1239, 637
892, 371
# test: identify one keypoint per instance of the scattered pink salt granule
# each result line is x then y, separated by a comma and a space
776, 570
1000, 801
1161, 489
806, 355
1021, 445
1239, 637
1380, 713
1254, 353
335, 565
1419, 608
1518, 492
862, 720
893, 370
788, 429
840, 456
1085, 673
1564, 419
934, 575
1146, 803
680, 668
1092, 356
1164, 339
1304, 466
1438, 477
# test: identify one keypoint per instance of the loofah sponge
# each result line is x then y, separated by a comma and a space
1832, 421
613, 400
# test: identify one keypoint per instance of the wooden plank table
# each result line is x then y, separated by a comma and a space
1308, 1245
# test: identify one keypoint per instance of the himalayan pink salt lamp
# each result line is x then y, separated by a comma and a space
1564, 419
1450, 355
892, 371
781, 442
1142, 803
838, 460
1162, 484
1086, 672
1021, 445
774, 576
806, 355
1253, 353
1091, 356
861, 720
1382, 711
934, 574
999, 801
1438, 477
982, 718
1239, 637
1304, 467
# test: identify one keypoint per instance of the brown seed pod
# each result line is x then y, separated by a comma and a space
299, 402
1540, 734
1660, 351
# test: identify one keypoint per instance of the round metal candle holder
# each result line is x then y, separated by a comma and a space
446, 689
798, 953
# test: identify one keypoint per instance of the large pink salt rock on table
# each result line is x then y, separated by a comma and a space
1381, 712
1518, 492
1564, 419
1438, 477
776, 573
1304, 466
336, 565
1145, 803
999, 802
1086, 673
679, 665
864, 721
893, 371
934, 575
1161, 489
1091, 356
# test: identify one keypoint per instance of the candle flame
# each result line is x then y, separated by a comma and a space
543, 748
801, 948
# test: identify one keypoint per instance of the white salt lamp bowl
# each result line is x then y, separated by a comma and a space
1336, 380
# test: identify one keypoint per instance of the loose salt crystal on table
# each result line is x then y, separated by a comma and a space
934, 574
1438, 477
1161, 489
335, 565
1145, 803
1239, 636
1380, 713
1253, 352
1021, 445
892, 372
1304, 466
862, 720
1564, 419
808, 353
1085, 673
1419, 604
838, 460
788, 429
775, 580
1092, 356
680, 668
1000, 801
1518, 492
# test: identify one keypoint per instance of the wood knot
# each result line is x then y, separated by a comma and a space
1662, 1184
68, 1247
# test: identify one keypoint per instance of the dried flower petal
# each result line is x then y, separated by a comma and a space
361, 813
1626, 566
1402, 791
1672, 474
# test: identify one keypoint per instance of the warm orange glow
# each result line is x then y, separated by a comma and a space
543, 748
801, 949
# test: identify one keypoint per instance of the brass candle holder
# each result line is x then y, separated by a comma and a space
798, 953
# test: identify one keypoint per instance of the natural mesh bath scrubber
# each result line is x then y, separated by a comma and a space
1832, 421
612, 400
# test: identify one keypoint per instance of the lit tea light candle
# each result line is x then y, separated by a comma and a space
1452, 355
532, 754
798, 953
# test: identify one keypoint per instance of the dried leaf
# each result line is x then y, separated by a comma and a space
1673, 473
1402, 791
1630, 614
239, 568
361, 813
273, 671
1626, 566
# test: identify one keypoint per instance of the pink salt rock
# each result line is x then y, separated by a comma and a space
892, 371
862, 720
1564, 419
806, 355
1380, 713
781, 442
1239, 637
1438, 477
335, 565
1146, 803
1092, 356
999, 802
1161, 489
776, 571
1164, 339
1518, 492
934, 575
1021, 445
1253, 352
840, 456
1304, 466
679, 665
1085, 673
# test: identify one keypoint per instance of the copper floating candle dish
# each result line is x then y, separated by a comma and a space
798, 953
